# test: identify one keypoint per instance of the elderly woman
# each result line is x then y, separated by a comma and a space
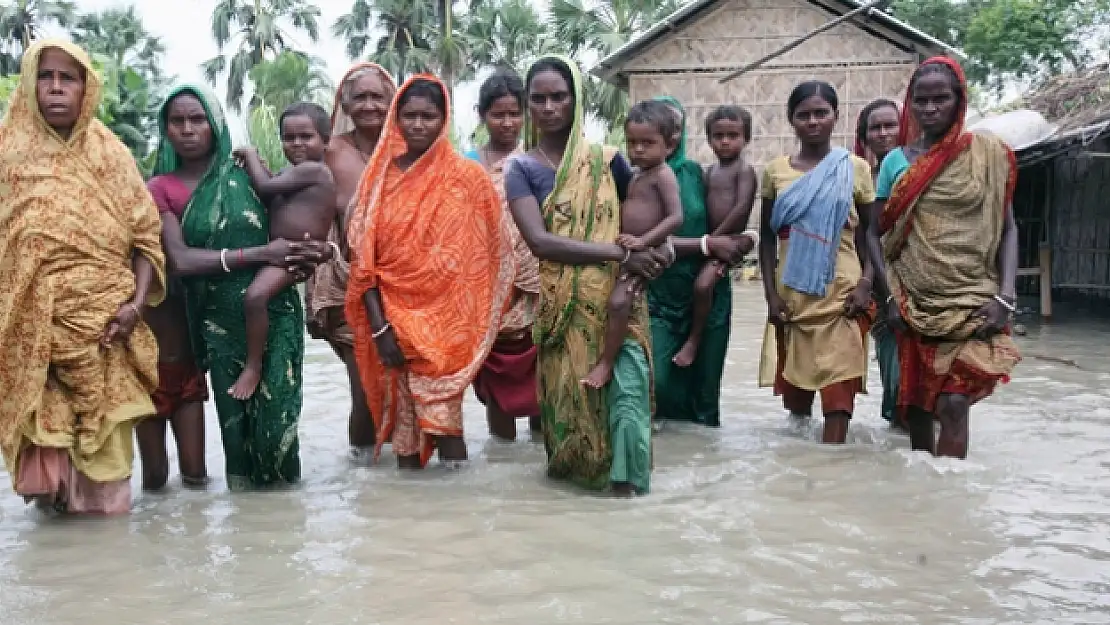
506, 383
215, 236
81, 257
431, 276
565, 195
944, 243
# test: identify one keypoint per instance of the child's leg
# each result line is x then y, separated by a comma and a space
616, 329
703, 302
267, 283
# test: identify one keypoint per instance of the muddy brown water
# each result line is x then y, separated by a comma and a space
752, 523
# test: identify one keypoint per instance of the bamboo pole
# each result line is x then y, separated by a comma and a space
874, 4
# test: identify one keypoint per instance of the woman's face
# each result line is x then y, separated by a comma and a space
421, 123
187, 128
60, 90
366, 100
550, 102
882, 130
504, 119
934, 103
814, 120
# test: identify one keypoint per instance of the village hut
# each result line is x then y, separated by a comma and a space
688, 53
1060, 204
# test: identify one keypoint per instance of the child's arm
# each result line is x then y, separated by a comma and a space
252, 163
666, 186
292, 180
741, 212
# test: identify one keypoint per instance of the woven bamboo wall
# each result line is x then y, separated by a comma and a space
688, 63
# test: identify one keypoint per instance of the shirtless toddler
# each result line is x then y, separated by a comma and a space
731, 185
301, 203
651, 213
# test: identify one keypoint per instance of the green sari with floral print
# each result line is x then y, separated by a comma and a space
260, 440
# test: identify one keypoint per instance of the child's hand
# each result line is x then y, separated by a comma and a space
242, 154
631, 243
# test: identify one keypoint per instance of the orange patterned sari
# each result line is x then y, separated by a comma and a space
434, 241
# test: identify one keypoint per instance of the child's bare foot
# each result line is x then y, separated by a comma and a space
599, 376
246, 385
687, 355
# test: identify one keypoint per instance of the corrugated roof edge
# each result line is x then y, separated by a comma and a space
605, 68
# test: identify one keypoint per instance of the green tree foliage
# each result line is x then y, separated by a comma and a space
21, 21
289, 78
1006, 40
256, 30
264, 134
508, 34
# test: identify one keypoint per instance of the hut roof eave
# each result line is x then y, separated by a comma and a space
609, 68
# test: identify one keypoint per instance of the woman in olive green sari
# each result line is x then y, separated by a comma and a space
216, 245
565, 197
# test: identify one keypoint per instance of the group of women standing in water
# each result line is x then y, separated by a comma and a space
490, 269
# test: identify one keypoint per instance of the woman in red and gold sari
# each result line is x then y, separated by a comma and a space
944, 245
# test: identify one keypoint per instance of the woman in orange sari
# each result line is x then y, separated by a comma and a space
431, 276
944, 245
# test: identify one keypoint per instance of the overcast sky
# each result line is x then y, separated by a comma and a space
187, 34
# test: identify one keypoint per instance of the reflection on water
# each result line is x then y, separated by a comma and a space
753, 523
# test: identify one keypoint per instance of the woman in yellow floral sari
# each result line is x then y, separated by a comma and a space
79, 243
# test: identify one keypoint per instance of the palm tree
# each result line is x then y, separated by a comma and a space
592, 29
289, 78
256, 25
21, 22
507, 33
119, 33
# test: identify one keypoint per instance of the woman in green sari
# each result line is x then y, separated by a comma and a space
691, 393
565, 197
215, 234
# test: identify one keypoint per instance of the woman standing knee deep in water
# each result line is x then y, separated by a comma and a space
816, 272
215, 235
565, 197
945, 248
876, 135
431, 276
506, 383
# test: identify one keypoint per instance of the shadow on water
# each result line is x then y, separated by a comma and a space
751, 523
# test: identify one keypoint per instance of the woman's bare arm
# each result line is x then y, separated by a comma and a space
552, 247
862, 245
1008, 257
768, 248
192, 261
875, 251
144, 275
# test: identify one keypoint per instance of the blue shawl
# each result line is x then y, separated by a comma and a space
815, 208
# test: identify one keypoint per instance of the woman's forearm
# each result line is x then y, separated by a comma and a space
372, 300
144, 275
195, 261
877, 264
1008, 258
572, 252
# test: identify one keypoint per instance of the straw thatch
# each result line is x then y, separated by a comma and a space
1075, 100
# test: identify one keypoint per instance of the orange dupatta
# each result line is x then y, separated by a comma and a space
434, 242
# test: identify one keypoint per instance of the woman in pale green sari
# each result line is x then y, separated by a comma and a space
565, 197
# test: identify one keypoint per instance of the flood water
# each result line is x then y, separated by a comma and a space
752, 523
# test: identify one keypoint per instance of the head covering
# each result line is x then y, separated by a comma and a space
73, 211
433, 241
341, 123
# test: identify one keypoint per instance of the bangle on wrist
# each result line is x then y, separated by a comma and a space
223, 260
135, 307
1007, 305
889, 299
381, 331
705, 245
627, 255
338, 254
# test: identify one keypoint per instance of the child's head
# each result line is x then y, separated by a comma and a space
305, 132
729, 130
651, 133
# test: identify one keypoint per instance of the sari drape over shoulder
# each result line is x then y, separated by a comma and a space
942, 230
73, 213
434, 242
327, 288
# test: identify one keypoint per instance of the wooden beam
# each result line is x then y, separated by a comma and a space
874, 4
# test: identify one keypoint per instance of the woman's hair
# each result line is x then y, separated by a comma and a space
732, 114
940, 68
865, 116
424, 88
552, 64
807, 90
315, 112
658, 114
502, 83
349, 83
